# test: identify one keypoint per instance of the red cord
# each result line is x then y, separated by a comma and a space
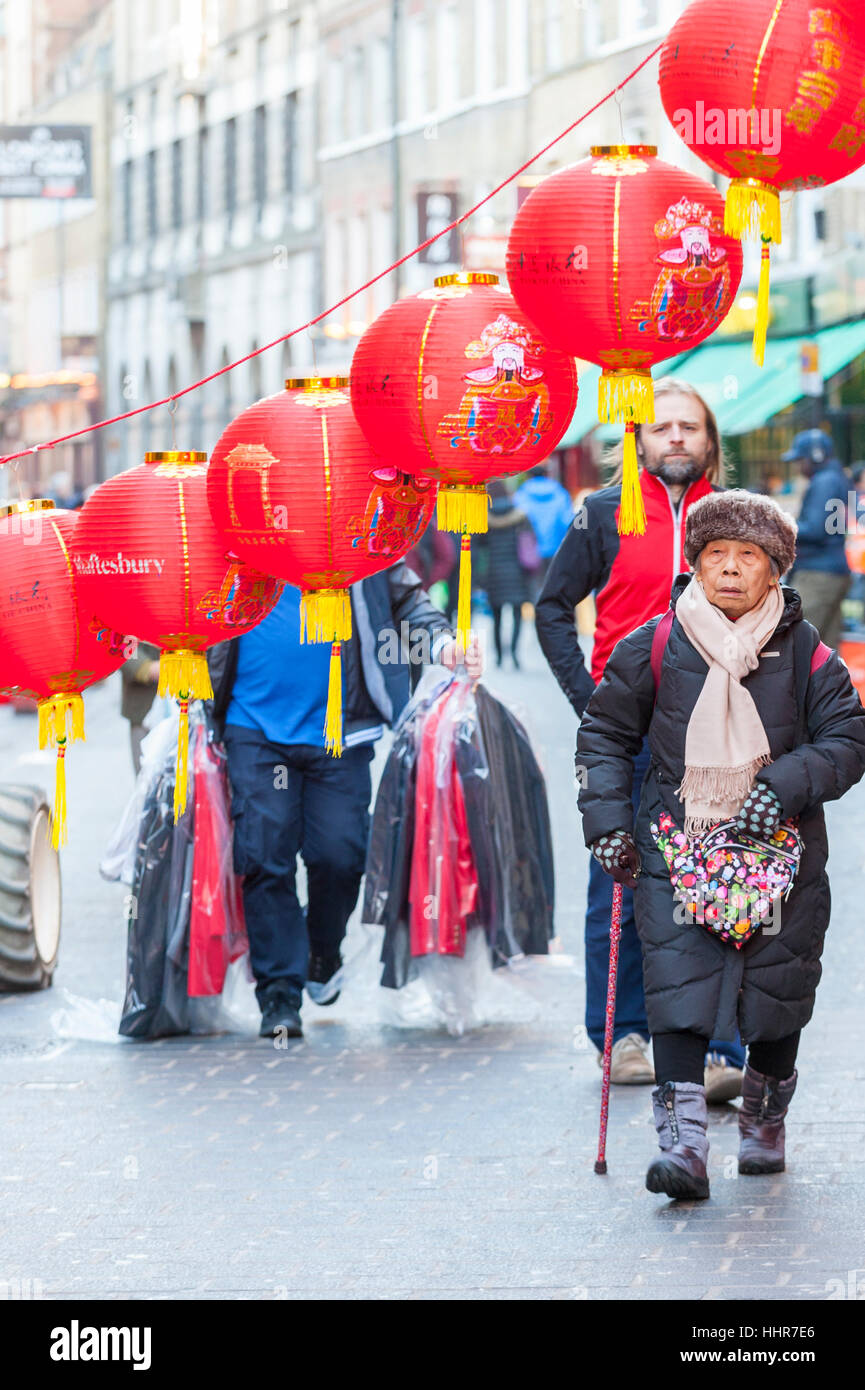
230, 366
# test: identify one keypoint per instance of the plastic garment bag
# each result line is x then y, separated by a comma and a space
460, 834
217, 934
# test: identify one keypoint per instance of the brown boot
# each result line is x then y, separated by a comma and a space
680, 1119
761, 1122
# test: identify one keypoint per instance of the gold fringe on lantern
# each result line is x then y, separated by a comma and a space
762, 320
625, 395
333, 717
184, 673
463, 509
181, 767
61, 720
752, 210
464, 594
632, 511
325, 615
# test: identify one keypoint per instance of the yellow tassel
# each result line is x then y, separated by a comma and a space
625, 395
333, 717
184, 673
60, 716
58, 820
181, 769
463, 509
762, 321
632, 512
464, 594
325, 615
752, 210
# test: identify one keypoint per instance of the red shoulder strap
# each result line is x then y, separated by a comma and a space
821, 655
660, 637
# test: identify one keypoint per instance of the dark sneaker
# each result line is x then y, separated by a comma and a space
322, 979
280, 1014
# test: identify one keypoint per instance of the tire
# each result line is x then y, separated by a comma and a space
30, 894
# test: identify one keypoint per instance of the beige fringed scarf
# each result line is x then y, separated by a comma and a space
725, 744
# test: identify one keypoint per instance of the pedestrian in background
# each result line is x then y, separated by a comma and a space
550, 510
631, 577
733, 736
140, 678
821, 574
506, 582
290, 796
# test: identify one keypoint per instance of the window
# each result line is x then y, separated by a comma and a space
127, 201
417, 68
293, 37
448, 57
177, 184
259, 155
355, 114
261, 53
646, 14
485, 45
152, 209
289, 143
518, 42
380, 83
230, 165
553, 57
201, 200
334, 101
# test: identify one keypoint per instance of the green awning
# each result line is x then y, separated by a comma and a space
742, 395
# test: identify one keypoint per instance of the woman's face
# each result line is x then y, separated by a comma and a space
736, 575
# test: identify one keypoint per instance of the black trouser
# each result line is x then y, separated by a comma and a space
682, 1056
517, 611
290, 800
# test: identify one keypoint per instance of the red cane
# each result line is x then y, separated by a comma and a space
615, 934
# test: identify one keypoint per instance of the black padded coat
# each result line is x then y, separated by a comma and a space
693, 980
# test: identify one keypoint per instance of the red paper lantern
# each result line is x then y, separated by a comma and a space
465, 388
622, 260
772, 94
51, 650
296, 489
148, 560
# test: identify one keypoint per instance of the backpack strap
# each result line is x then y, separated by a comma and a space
806, 661
660, 638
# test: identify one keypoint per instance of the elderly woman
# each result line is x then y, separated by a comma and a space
751, 722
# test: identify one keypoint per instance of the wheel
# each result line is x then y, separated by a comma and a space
30, 897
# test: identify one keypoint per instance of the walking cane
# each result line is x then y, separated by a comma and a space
615, 934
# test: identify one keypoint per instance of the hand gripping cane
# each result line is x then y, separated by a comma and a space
615, 935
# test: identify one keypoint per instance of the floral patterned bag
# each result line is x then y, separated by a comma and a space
728, 880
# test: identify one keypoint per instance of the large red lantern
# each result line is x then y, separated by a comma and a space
51, 650
296, 489
149, 561
772, 94
622, 260
465, 389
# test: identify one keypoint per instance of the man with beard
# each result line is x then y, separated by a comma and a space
631, 578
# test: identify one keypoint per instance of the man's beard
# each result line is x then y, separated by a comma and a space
678, 470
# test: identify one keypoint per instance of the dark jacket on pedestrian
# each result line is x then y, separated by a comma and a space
505, 577
693, 980
822, 528
388, 611
138, 690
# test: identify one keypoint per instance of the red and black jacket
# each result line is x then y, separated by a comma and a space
630, 576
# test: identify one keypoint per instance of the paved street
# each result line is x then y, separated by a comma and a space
370, 1161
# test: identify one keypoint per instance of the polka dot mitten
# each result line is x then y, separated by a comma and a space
619, 857
761, 812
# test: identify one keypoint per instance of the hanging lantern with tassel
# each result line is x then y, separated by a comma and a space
49, 652
772, 94
296, 489
148, 560
622, 260
463, 388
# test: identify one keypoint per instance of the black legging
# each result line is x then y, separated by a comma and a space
517, 611
681, 1056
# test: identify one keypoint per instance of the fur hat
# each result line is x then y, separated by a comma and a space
737, 515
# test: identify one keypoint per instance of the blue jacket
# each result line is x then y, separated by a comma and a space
549, 508
822, 525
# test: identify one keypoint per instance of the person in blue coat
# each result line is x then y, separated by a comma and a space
550, 511
821, 574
